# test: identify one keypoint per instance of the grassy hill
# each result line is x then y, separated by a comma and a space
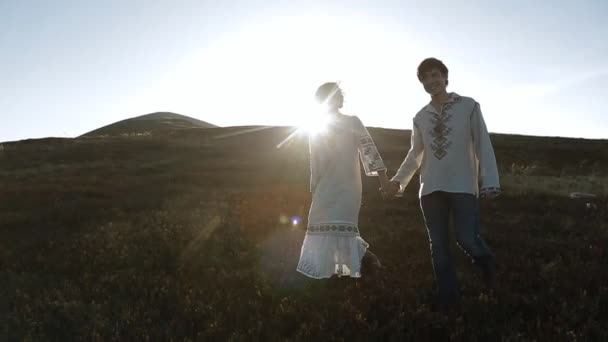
185, 235
153, 123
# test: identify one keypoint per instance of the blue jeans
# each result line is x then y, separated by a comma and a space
437, 207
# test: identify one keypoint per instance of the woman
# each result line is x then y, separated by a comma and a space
332, 245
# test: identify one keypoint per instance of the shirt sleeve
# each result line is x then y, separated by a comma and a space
488, 171
412, 161
368, 153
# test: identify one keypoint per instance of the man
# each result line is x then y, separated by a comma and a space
451, 146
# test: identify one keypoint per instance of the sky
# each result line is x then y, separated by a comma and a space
68, 67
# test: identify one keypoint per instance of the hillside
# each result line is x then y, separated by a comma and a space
185, 235
153, 123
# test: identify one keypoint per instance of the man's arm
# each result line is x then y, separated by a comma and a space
412, 161
488, 171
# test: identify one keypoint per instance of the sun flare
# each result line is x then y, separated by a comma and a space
314, 123
267, 73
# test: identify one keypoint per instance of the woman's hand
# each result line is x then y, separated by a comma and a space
489, 193
389, 189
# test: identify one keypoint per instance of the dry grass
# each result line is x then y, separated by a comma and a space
164, 238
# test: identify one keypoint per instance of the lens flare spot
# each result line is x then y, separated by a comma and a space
283, 219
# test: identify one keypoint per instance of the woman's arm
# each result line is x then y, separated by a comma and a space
368, 153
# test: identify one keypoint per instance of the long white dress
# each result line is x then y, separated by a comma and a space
332, 244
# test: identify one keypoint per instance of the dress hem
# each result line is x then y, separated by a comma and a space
327, 277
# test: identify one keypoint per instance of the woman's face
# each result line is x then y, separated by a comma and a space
336, 101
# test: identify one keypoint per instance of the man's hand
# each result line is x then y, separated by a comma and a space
390, 189
489, 193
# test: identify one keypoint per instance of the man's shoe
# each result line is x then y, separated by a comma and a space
488, 269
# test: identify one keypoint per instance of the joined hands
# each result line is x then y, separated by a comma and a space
389, 189
489, 193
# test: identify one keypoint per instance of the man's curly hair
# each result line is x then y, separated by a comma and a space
430, 64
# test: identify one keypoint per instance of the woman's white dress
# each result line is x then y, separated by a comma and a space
332, 244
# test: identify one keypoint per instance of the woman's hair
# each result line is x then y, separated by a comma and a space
326, 91
430, 64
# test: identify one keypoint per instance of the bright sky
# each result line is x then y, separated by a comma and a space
68, 67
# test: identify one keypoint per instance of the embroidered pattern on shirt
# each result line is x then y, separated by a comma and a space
370, 154
333, 228
440, 131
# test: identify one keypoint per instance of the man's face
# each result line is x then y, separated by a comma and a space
434, 82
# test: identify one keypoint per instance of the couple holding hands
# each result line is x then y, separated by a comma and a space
451, 147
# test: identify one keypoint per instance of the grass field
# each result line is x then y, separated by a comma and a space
184, 237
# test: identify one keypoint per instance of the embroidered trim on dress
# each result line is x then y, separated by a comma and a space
371, 156
333, 228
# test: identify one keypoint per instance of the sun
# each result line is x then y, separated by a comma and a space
314, 128
315, 122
